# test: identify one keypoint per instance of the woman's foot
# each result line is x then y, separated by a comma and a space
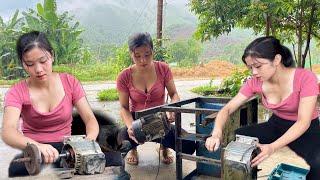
166, 155
132, 157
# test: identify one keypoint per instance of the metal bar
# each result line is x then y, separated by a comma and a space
183, 102
200, 159
188, 110
178, 146
191, 175
194, 137
210, 118
222, 100
159, 108
254, 106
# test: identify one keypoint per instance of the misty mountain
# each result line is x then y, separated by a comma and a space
110, 21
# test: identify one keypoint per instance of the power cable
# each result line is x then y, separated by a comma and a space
145, 7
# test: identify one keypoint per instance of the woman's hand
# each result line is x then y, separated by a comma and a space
171, 117
49, 153
266, 151
213, 142
131, 134
90, 137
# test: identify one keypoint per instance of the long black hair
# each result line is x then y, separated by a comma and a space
268, 47
30, 40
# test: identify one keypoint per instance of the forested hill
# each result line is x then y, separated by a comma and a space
110, 21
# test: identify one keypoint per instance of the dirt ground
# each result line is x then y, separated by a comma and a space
215, 69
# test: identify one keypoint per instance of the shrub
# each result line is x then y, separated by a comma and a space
108, 95
230, 86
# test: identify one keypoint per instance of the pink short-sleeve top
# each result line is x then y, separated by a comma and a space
139, 99
49, 126
305, 84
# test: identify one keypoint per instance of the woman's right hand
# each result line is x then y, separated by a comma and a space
131, 134
213, 142
48, 152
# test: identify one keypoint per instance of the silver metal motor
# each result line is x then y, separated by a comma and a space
84, 156
237, 158
150, 127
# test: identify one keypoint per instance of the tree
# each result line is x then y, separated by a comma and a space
185, 52
292, 21
64, 37
9, 33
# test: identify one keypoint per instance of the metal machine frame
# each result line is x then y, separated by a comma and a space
246, 114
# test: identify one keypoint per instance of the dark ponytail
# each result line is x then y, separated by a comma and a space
268, 47
287, 58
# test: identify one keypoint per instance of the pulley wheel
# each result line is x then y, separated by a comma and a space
32, 152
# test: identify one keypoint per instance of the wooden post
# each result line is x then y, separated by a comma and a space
159, 21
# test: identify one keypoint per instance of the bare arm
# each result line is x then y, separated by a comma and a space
10, 133
172, 91
125, 114
227, 110
90, 121
213, 142
15, 139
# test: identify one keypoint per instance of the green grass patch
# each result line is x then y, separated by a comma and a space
8, 82
83, 72
205, 90
90, 72
108, 95
208, 90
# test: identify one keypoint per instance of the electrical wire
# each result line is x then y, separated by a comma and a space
159, 159
143, 9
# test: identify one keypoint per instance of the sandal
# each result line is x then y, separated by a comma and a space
132, 157
166, 155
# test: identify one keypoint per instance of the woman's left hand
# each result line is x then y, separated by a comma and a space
171, 117
266, 151
90, 138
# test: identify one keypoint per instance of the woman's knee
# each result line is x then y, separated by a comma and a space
188, 147
241, 131
16, 170
314, 163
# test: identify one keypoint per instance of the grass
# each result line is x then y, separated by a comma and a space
108, 95
8, 82
85, 73
90, 72
205, 90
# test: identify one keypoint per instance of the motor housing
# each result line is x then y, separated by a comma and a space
85, 156
150, 127
237, 158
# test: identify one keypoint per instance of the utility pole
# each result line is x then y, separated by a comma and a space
159, 21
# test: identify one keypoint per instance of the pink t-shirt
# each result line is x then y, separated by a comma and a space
140, 100
304, 85
49, 126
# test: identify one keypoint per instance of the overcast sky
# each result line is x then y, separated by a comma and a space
8, 7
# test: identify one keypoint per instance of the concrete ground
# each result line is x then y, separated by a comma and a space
148, 156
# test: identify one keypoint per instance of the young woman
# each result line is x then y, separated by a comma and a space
142, 86
290, 93
44, 102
